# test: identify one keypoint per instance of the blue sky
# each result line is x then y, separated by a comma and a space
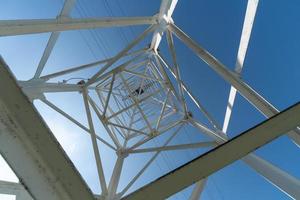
271, 67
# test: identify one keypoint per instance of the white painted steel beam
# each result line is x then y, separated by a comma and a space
66, 10
35, 88
250, 94
176, 147
192, 97
110, 133
279, 178
115, 178
64, 114
199, 186
166, 10
149, 162
26, 143
246, 33
121, 54
97, 156
221, 156
16, 189
276, 176
176, 68
31, 26
85, 66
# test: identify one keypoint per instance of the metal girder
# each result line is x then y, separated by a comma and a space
120, 54
149, 161
221, 156
286, 183
35, 88
244, 41
246, 33
31, 150
274, 175
116, 175
206, 164
30, 26
97, 156
166, 10
16, 189
192, 97
54, 107
65, 12
199, 186
84, 66
175, 147
265, 107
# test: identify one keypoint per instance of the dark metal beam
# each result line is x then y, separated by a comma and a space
221, 156
31, 150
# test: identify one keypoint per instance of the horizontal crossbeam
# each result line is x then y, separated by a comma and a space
176, 147
30, 26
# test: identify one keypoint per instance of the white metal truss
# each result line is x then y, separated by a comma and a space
221, 156
25, 144
138, 96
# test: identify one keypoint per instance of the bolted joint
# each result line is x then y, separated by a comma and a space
164, 21
154, 133
167, 83
80, 83
32, 88
162, 25
104, 119
122, 152
188, 115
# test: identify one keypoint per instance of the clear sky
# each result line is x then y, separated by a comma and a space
271, 67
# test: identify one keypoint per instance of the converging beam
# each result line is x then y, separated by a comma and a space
121, 54
95, 144
265, 107
25, 143
30, 26
166, 10
221, 156
246, 33
65, 12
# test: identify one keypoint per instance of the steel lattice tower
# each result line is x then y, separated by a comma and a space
143, 97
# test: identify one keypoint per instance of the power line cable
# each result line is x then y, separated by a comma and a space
109, 9
97, 40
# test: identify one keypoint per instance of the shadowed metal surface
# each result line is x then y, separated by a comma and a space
223, 155
31, 150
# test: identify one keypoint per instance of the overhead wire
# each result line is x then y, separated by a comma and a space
123, 13
94, 33
81, 32
99, 34
110, 12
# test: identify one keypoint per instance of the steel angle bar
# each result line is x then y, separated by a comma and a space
221, 156
120, 54
31, 26
65, 12
265, 107
176, 147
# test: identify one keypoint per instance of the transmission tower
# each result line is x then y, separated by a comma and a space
138, 96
